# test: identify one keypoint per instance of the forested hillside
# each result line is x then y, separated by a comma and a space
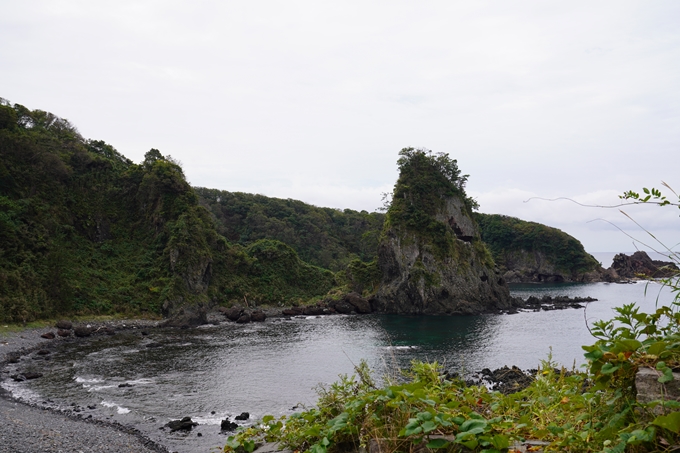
85, 230
326, 237
516, 243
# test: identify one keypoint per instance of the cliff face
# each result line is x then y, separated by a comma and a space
531, 252
431, 256
534, 266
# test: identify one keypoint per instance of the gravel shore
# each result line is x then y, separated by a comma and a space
28, 429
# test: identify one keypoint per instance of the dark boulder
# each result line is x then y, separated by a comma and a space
234, 313
243, 416
81, 331
64, 333
506, 380
258, 316
185, 424
48, 335
313, 310
227, 425
43, 352
124, 385
360, 304
293, 311
343, 307
66, 325
26, 376
13, 357
188, 316
106, 331
244, 318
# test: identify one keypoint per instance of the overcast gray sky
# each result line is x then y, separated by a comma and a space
313, 100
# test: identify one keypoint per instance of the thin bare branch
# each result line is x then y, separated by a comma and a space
628, 203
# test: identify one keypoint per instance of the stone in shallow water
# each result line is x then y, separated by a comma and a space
243, 416
185, 424
228, 425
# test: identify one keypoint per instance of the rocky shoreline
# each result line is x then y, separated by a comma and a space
27, 428
23, 426
354, 304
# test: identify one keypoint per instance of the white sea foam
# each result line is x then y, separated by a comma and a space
20, 392
120, 409
142, 381
82, 380
96, 388
212, 420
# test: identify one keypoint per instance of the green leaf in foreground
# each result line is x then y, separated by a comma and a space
670, 422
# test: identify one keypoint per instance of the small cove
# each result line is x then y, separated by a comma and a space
273, 367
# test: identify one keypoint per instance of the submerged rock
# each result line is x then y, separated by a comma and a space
48, 336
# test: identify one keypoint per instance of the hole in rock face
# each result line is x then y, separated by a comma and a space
458, 232
485, 278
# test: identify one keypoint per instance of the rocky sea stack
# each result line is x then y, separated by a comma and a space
431, 256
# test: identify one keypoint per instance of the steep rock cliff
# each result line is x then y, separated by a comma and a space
431, 256
532, 252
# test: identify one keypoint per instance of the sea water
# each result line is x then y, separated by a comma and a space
216, 372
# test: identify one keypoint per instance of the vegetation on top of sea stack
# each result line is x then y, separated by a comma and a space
426, 181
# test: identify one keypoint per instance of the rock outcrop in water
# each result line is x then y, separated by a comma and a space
639, 264
431, 256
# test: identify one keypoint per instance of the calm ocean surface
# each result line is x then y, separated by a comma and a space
272, 367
